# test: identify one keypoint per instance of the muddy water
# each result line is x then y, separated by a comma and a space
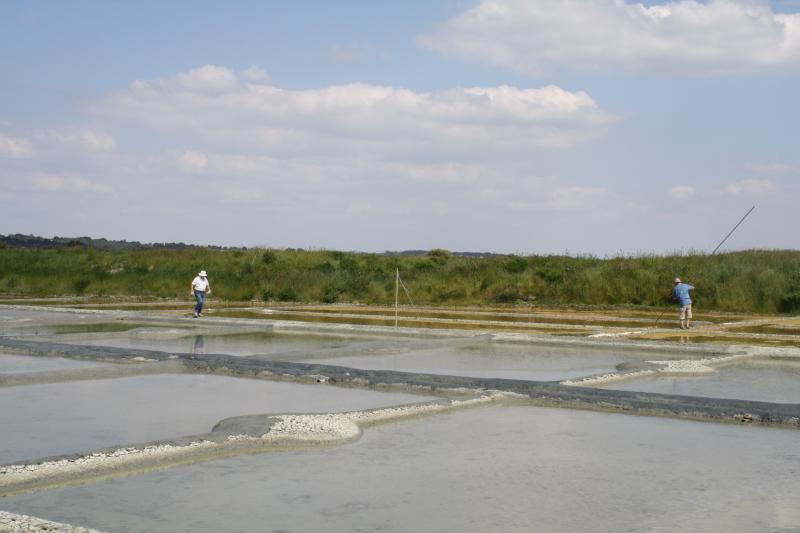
761, 382
45, 420
492, 469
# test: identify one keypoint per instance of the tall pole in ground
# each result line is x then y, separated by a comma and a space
396, 294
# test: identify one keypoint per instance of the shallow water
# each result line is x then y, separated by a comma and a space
490, 469
43, 330
287, 345
18, 364
487, 359
522, 318
389, 322
772, 329
61, 418
760, 382
722, 339
473, 357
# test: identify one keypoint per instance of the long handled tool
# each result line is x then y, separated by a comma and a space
659, 316
731, 231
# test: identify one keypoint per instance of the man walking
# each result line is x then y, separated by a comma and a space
199, 289
681, 293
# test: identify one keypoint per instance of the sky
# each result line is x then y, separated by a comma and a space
603, 127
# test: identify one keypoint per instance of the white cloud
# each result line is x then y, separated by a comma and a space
681, 192
15, 147
254, 73
208, 78
82, 138
751, 186
368, 120
687, 36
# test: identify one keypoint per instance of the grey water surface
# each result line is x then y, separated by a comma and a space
61, 418
486, 359
19, 364
779, 383
488, 469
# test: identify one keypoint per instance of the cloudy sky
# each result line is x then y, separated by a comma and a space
524, 126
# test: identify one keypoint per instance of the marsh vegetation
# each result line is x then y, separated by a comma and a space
754, 281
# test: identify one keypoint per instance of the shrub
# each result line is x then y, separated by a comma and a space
439, 256
288, 294
268, 257
81, 284
515, 265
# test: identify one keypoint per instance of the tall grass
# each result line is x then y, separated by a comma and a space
749, 281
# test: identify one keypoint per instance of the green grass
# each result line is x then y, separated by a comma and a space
755, 281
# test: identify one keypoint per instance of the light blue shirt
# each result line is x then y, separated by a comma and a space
681, 293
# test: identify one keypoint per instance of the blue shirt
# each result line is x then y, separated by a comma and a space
681, 293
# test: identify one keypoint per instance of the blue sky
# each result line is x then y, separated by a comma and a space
541, 126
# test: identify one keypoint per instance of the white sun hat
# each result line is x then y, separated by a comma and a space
677, 280
203, 274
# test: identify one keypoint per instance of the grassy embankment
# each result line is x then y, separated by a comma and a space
749, 281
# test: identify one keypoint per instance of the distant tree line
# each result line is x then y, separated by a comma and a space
19, 240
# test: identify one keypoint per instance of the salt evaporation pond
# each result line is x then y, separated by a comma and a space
486, 359
60, 418
489, 469
175, 340
779, 383
476, 357
21, 364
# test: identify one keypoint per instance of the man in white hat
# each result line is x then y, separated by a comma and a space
199, 288
681, 293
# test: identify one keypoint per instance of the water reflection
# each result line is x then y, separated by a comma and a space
199, 344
